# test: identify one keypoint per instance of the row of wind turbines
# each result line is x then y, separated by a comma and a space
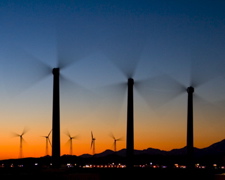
70, 141
128, 71
130, 123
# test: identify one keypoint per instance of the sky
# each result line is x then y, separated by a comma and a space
165, 46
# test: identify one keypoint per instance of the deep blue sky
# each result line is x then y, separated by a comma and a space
105, 40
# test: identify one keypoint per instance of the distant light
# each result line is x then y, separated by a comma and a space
87, 166
36, 164
69, 165
182, 167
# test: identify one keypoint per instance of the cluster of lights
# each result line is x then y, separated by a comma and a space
179, 166
151, 166
105, 166
200, 166
113, 165
70, 165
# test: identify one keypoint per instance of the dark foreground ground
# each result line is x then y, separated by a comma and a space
111, 174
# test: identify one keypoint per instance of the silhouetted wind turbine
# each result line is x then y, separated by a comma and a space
125, 55
93, 143
36, 70
115, 141
47, 141
21, 142
71, 141
56, 114
198, 77
125, 52
126, 60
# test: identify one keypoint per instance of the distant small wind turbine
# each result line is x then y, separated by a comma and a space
21, 142
47, 142
70, 141
93, 143
115, 140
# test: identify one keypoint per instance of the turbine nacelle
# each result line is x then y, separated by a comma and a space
130, 81
55, 71
190, 89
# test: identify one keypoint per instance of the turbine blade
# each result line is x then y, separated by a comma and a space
49, 133
74, 137
23, 140
92, 143
205, 66
67, 133
125, 52
113, 90
68, 142
26, 70
112, 136
15, 134
72, 47
208, 111
49, 142
25, 130
64, 59
111, 98
159, 90
74, 94
92, 137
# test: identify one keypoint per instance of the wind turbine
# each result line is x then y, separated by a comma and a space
198, 77
47, 141
125, 55
115, 141
42, 71
93, 143
21, 142
70, 141
36, 70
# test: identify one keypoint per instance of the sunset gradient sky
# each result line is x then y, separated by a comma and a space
166, 42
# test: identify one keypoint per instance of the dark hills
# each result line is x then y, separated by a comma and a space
214, 154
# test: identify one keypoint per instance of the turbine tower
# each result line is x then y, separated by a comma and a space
190, 144
130, 125
56, 120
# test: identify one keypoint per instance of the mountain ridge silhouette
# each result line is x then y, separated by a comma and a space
213, 154
215, 148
